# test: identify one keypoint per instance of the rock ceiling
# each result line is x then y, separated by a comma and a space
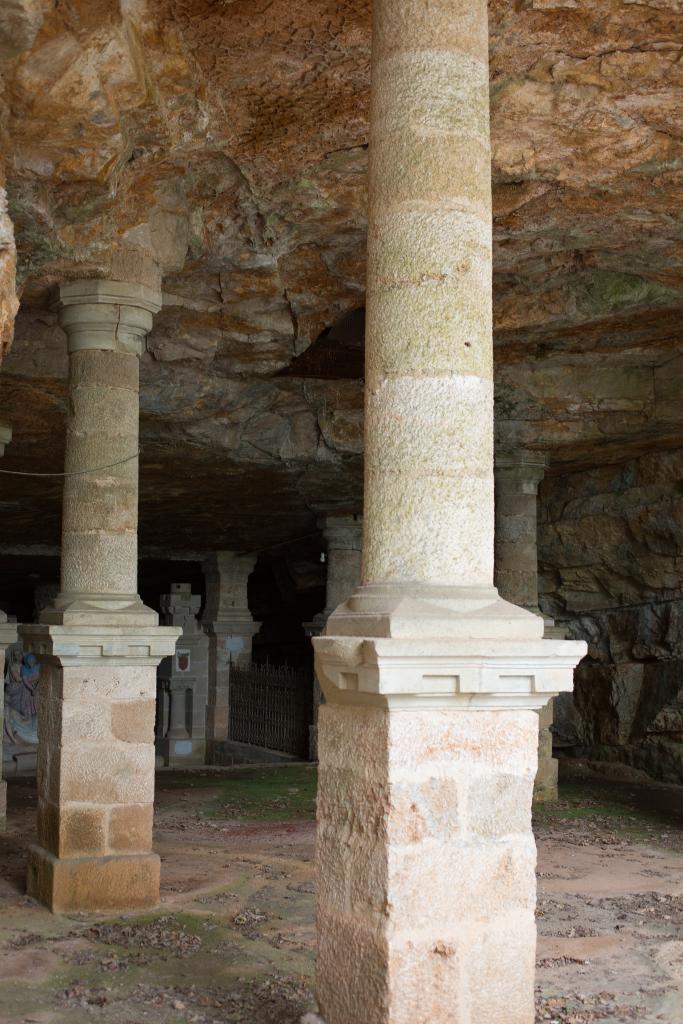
229, 138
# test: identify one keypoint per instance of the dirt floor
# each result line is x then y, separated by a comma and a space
233, 940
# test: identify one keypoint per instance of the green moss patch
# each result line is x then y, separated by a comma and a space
281, 793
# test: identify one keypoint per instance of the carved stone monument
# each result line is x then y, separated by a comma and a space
183, 682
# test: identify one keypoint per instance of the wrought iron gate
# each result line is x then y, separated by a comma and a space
271, 707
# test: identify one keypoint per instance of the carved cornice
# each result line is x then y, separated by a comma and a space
96, 645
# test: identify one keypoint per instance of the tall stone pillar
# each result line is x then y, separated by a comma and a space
343, 536
427, 740
517, 476
184, 681
8, 636
230, 628
99, 645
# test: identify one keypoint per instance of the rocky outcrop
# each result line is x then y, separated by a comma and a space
222, 147
19, 23
610, 543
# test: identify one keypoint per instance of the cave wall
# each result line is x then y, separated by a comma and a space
19, 23
611, 570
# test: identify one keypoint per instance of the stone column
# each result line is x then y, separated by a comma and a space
517, 477
344, 539
427, 741
8, 636
99, 645
230, 628
184, 679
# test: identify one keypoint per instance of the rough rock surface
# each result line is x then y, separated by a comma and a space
19, 23
610, 554
226, 142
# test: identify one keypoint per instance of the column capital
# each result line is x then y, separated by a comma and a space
342, 532
113, 316
5, 436
520, 471
230, 562
226, 610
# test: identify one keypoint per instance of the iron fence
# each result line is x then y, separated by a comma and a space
271, 706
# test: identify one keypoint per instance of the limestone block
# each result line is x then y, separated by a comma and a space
425, 854
76, 831
117, 773
99, 883
130, 828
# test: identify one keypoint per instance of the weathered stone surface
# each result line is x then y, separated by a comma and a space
242, 171
610, 543
98, 883
134, 137
417, 809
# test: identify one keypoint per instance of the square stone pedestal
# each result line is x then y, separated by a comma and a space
425, 866
176, 753
116, 883
425, 858
95, 768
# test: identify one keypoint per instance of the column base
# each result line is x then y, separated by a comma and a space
90, 884
180, 752
76, 610
545, 783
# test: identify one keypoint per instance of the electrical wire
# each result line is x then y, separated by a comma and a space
74, 472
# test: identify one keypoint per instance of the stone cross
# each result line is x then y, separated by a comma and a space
183, 682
